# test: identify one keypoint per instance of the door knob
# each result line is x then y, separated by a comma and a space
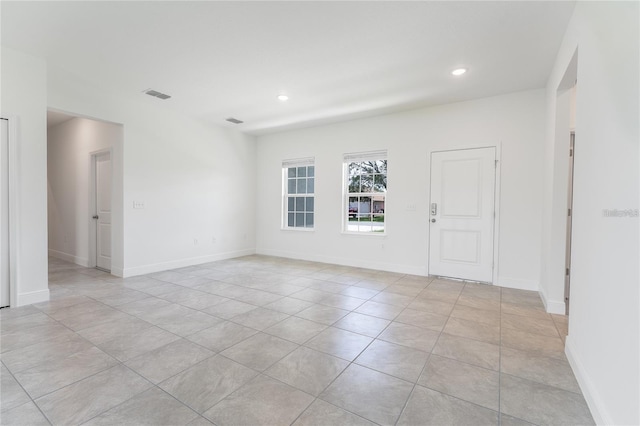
95, 217
433, 220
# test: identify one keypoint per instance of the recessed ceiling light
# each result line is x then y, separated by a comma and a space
283, 98
459, 71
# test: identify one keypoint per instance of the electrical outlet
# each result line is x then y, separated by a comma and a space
195, 241
138, 204
213, 240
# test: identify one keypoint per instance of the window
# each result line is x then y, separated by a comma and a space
299, 187
365, 191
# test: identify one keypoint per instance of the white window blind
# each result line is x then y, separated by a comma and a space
365, 156
298, 162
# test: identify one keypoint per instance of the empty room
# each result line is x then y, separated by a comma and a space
320, 213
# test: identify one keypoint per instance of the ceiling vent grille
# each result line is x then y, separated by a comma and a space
157, 94
234, 120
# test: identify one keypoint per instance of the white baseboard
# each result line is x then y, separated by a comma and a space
32, 297
181, 263
589, 390
518, 283
69, 258
552, 306
388, 267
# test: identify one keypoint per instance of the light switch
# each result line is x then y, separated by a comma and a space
138, 204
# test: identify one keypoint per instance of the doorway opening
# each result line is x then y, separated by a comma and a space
84, 189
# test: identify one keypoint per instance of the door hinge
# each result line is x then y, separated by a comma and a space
567, 271
568, 212
571, 153
496, 164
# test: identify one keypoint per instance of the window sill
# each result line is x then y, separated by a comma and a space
365, 234
298, 229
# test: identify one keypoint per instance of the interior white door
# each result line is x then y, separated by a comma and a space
103, 211
4, 214
462, 214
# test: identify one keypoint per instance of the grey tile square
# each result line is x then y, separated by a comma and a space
47, 351
471, 301
471, 351
83, 400
308, 370
322, 314
375, 396
189, 324
321, 413
51, 375
261, 401
120, 328
464, 381
193, 298
153, 407
341, 301
222, 336
393, 299
289, 305
362, 324
422, 319
168, 360
23, 338
341, 343
294, 329
545, 327
259, 351
395, 360
24, 322
473, 330
536, 343
25, 414
431, 305
208, 382
126, 347
542, 404
230, 309
483, 316
12, 393
410, 335
259, 318
380, 310
359, 292
525, 311
428, 407
528, 365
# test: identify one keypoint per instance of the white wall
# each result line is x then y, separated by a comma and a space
515, 122
70, 145
604, 333
23, 98
197, 180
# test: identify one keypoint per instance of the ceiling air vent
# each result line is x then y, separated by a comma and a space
234, 120
157, 94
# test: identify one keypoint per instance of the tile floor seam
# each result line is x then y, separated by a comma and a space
31, 400
427, 361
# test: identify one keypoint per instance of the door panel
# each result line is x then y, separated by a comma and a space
103, 211
462, 215
4, 214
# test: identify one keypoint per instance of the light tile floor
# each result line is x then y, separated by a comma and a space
262, 340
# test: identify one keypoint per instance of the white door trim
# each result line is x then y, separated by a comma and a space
496, 201
14, 206
93, 255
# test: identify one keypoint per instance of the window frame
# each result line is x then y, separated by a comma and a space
286, 165
360, 157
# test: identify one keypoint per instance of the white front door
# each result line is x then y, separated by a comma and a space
4, 214
103, 211
462, 214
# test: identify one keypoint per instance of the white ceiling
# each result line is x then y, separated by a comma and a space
336, 60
